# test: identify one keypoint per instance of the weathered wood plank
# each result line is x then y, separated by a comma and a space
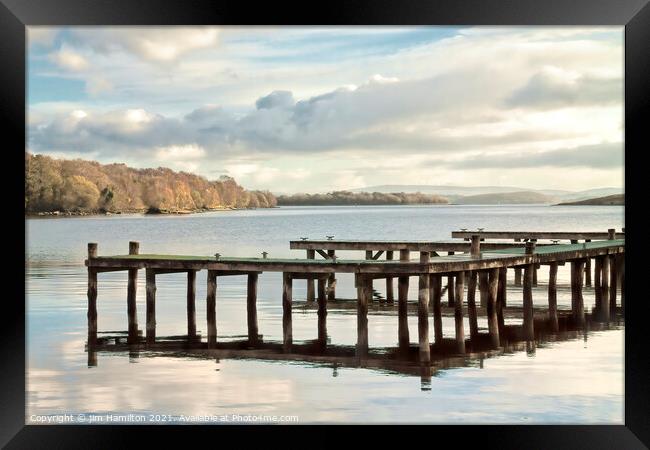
414, 246
560, 235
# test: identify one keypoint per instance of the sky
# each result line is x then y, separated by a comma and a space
316, 109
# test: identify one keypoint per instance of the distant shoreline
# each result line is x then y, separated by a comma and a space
48, 214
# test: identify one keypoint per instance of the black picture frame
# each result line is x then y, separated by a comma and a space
15, 15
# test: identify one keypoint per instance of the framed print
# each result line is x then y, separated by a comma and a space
403, 213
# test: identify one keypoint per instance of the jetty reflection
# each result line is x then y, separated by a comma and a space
401, 360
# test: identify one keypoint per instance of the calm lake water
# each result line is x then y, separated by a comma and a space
573, 381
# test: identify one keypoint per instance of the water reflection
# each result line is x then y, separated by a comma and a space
390, 360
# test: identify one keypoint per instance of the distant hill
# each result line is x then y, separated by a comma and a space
360, 198
507, 198
618, 199
451, 190
460, 194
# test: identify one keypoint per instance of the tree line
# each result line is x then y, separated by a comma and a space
88, 186
360, 198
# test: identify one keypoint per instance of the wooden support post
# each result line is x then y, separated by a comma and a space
251, 308
471, 305
604, 289
611, 234
423, 312
322, 290
534, 268
622, 278
552, 296
501, 297
588, 269
287, 299
363, 294
370, 258
580, 305
402, 298
131, 308
475, 247
577, 300
151, 305
598, 290
390, 297
311, 254
458, 312
191, 304
483, 288
574, 295
517, 271
436, 291
529, 331
492, 293
331, 282
322, 315
92, 298
613, 278
450, 288
211, 308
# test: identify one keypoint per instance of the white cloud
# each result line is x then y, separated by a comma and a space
180, 152
69, 59
152, 44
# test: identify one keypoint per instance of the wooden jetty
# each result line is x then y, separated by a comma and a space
554, 236
490, 266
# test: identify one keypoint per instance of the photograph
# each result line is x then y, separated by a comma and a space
325, 225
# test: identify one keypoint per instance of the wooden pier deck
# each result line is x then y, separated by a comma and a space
489, 267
